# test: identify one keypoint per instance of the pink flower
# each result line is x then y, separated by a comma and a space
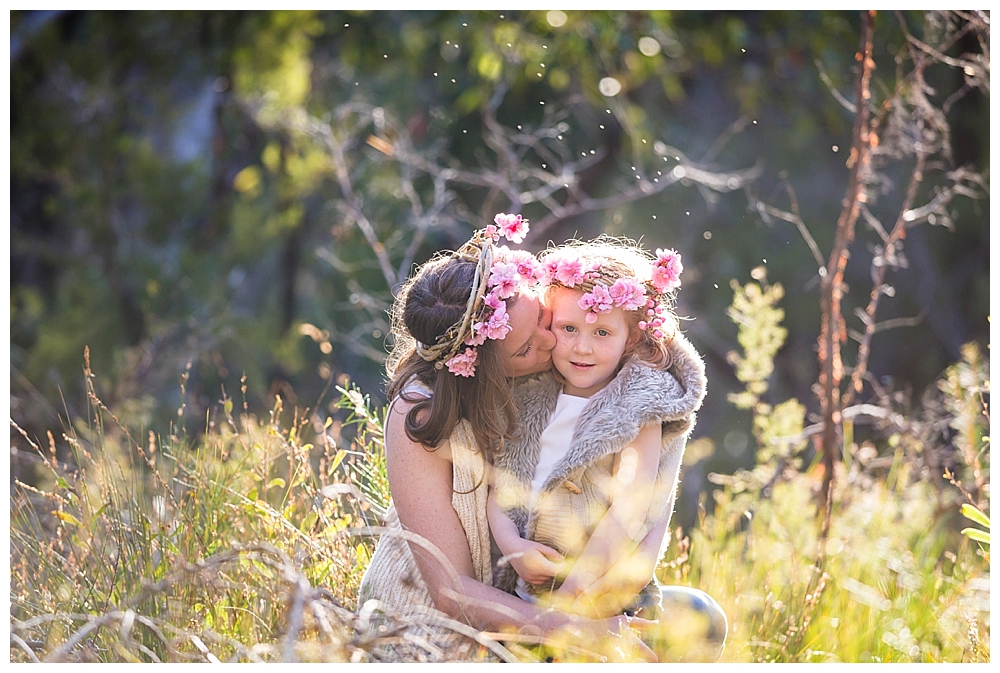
570, 271
599, 301
498, 325
512, 227
548, 269
477, 337
494, 302
628, 294
667, 270
491, 232
527, 265
503, 279
464, 363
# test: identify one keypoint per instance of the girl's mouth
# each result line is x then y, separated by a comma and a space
582, 365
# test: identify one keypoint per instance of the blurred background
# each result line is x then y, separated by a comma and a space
218, 200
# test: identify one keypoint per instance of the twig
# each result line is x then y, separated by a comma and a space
831, 285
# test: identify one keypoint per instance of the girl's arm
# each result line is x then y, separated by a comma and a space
421, 486
534, 562
620, 531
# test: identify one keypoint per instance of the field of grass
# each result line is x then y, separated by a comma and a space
246, 541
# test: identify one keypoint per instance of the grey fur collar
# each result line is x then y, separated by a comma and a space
612, 419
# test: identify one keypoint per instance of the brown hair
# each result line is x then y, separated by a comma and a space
429, 303
624, 258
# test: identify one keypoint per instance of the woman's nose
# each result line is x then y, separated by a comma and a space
546, 339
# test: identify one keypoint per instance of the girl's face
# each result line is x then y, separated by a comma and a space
527, 348
587, 354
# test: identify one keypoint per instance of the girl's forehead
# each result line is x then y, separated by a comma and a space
556, 294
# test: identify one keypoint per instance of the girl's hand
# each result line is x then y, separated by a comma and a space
536, 563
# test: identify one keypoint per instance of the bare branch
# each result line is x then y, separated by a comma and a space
839, 97
764, 210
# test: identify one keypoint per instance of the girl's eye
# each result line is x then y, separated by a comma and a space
569, 328
603, 332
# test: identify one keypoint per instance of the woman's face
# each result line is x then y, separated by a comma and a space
527, 348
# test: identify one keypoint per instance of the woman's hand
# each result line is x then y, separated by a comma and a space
536, 563
624, 642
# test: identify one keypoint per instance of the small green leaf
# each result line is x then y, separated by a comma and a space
977, 535
973, 514
62, 483
252, 493
276, 482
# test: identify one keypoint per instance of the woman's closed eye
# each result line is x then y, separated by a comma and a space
524, 352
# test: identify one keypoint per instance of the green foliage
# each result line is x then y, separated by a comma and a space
892, 588
881, 585
199, 540
974, 515
884, 586
184, 548
760, 335
777, 428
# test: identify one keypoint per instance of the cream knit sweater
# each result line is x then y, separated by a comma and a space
393, 578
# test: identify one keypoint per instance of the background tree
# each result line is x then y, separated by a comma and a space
242, 190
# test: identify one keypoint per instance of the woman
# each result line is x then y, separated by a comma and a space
463, 325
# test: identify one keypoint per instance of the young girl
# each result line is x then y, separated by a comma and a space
595, 465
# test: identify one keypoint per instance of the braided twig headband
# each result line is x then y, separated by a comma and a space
499, 273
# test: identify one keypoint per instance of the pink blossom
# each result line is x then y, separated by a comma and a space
548, 269
494, 302
598, 300
628, 294
667, 270
477, 337
498, 325
527, 265
503, 279
513, 227
464, 363
491, 232
570, 272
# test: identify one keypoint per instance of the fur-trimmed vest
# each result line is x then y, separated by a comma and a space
576, 493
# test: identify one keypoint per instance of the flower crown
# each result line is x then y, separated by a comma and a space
499, 273
604, 292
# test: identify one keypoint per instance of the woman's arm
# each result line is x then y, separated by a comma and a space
421, 486
620, 531
534, 562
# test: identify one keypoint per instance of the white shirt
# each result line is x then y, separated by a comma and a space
556, 437
555, 443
